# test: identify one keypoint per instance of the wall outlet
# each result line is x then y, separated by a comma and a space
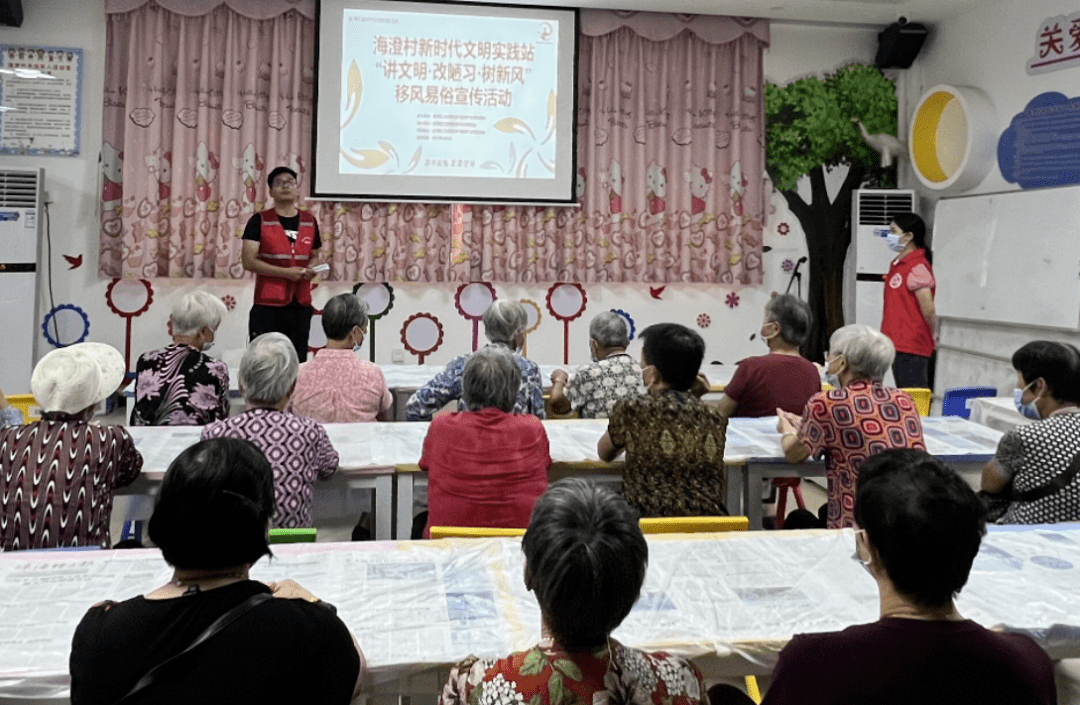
398, 356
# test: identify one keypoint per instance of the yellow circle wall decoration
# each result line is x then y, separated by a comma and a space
953, 138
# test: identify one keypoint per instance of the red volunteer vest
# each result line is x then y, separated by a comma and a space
277, 249
902, 320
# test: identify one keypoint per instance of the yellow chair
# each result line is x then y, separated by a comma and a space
472, 532
693, 525
27, 404
292, 535
921, 397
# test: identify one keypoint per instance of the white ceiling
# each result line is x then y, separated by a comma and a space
857, 12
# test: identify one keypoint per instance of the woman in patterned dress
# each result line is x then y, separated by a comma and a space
180, 385
298, 448
857, 419
1030, 457
585, 560
58, 475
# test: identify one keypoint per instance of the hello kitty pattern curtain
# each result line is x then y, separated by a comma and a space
199, 107
670, 161
201, 101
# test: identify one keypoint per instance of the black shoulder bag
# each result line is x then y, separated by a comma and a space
997, 503
218, 624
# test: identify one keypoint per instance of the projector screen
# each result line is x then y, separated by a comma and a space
422, 101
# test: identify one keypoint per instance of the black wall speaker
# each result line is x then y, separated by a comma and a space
899, 44
11, 12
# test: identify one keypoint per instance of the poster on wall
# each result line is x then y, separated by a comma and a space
1038, 149
40, 97
1057, 45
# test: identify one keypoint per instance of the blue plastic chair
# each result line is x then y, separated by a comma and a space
955, 401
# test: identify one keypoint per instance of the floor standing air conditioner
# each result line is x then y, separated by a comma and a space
869, 256
21, 195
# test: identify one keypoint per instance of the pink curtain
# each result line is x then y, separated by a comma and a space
197, 111
199, 108
670, 171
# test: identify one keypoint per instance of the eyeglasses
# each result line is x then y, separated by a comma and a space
282, 183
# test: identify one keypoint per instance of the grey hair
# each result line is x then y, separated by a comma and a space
585, 560
343, 313
792, 314
609, 330
268, 369
491, 378
196, 310
867, 351
503, 320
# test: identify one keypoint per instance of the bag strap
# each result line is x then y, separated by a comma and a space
1053, 487
218, 624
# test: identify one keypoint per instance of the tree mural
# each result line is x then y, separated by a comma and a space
809, 130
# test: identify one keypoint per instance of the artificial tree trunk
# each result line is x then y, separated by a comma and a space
827, 226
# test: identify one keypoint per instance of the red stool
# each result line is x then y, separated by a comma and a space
781, 485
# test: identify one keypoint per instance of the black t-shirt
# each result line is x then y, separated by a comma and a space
291, 224
281, 651
907, 662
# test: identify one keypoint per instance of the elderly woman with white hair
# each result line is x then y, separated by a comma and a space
612, 375
504, 326
857, 419
336, 386
487, 465
180, 385
297, 448
58, 475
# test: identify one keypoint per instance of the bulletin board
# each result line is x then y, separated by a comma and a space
1010, 257
43, 115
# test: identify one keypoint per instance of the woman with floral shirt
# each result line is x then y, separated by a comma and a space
180, 385
585, 559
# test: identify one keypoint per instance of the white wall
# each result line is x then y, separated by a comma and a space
73, 187
988, 48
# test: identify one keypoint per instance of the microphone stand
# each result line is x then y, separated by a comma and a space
796, 274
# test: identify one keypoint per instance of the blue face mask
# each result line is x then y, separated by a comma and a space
893, 241
1029, 410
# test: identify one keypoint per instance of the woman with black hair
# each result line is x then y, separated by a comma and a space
585, 561
211, 634
1036, 465
909, 318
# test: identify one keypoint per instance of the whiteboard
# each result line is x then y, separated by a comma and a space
1010, 257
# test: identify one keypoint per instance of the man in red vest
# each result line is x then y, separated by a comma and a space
279, 245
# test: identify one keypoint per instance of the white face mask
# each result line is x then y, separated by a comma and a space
767, 337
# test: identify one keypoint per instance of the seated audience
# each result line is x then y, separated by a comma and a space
612, 375
58, 475
585, 560
1033, 467
211, 523
674, 441
504, 326
486, 465
298, 449
920, 526
180, 385
856, 419
9, 415
336, 386
782, 379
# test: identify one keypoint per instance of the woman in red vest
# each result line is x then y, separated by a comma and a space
279, 244
909, 319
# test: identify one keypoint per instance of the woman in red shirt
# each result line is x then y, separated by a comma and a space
486, 466
909, 319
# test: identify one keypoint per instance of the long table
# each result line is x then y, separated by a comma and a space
383, 456
728, 601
